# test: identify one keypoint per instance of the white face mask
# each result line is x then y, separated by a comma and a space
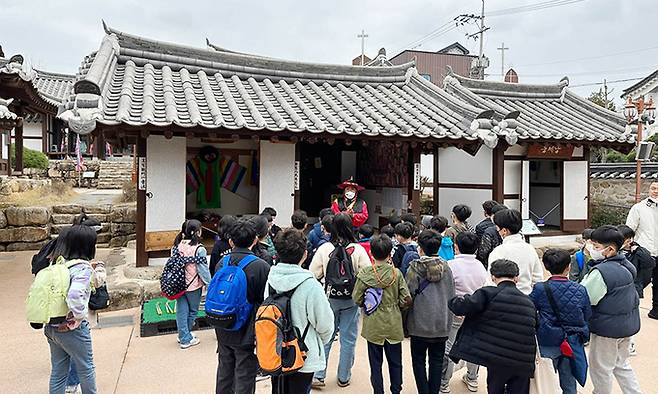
595, 253
350, 195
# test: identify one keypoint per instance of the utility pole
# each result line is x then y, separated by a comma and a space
605, 93
363, 37
502, 50
481, 62
482, 32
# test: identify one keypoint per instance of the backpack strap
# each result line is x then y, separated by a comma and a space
551, 300
246, 260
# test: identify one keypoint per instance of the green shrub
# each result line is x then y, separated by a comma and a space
31, 158
606, 214
616, 157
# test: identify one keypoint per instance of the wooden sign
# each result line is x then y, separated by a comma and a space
417, 177
550, 151
141, 173
296, 175
160, 240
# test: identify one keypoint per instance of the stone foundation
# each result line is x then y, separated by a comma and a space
29, 228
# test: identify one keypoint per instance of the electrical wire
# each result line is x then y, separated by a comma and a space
606, 82
589, 57
599, 72
531, 7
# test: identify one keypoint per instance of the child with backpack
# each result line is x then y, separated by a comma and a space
234, 294
563, 308
429, 320
196, 276
498, 331
639, 256
469, 275
403, 232
63, 307
580, 261
303, 311
338, 262
459, 215
382, 291
365, 233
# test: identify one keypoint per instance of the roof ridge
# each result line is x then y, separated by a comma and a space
54, 74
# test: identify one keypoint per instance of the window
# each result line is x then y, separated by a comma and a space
427, 76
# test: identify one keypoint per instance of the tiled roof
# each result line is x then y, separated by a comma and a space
137, 81
632, 90
5, 113
549, 112
622, 170
54, 88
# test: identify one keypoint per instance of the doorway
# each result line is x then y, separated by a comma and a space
545, 192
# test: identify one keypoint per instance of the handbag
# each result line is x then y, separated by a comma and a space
546, 380
565, 347
99, 299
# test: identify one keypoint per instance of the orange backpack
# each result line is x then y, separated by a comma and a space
279, 346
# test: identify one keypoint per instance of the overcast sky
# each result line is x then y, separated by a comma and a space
544, 45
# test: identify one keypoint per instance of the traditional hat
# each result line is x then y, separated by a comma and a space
350, 183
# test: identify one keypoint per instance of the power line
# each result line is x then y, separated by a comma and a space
589, 57
532, 7
600, 72
608, 82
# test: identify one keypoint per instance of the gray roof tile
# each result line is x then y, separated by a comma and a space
54, 88
621, 170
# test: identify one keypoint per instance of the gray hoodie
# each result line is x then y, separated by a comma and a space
429, 316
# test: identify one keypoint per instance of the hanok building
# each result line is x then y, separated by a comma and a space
286, 133
36, 97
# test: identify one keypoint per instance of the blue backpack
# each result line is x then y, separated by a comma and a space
227, 306
447, 250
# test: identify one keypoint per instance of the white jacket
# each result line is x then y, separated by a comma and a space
514, 248
643, 219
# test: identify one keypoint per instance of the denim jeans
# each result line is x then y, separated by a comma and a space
421, 350
73, 379
567, 380
394, 361
448, 364
67, 347
186, 309
346, 320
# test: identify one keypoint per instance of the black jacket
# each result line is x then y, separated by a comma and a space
221, 249
256, 272
483, 225
499, 329
489, 240
644, 264
260, 250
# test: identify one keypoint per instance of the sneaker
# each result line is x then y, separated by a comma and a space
653, 314
317, 383
195, 341
261, 376
72, 389
343, 384
472, 385
445, 389
178, 339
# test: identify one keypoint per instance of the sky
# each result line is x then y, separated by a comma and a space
588, 40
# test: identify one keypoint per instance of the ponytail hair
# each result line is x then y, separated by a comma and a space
180, 235
192, 228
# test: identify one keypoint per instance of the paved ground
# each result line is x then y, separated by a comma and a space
96, 196
126, 363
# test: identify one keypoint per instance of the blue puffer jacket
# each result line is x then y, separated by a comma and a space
574, 308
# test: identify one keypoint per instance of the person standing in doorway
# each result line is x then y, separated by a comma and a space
351, 204
643, 219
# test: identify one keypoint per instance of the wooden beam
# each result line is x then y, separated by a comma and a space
498, 177
142, 255
435, 180
45, 125
18, 137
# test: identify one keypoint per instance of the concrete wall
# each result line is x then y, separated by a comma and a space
277, 184
165, 169
616, 192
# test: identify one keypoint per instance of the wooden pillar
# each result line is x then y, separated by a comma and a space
99, 146
435, 181
45, 126
142, 258
498, 177
413, 192
586, 154
298, 169
18, 137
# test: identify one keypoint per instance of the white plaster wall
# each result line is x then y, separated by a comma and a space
165, 169
474, 198
4, 144
575, 190
31, 129
232, 204
457, 166
512, 177
277, 167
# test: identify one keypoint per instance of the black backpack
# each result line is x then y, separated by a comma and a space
340, 278
42, 259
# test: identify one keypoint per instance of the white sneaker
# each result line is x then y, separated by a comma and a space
178, 339
445, 389
73, 389
195, 341
472, 385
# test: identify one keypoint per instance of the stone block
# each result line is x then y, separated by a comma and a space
124, 214
151, 289
22, 246
3, 248
3, 219
100, 208
142, 273
125, 295
63, 218
24, 234
98, 216
57, 228
117, 242
71, 209
54, 173
103, 238
27, 216
122, 228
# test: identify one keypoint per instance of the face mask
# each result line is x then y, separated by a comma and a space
350, 195
595, 253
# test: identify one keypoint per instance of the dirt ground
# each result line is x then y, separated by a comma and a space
126, 363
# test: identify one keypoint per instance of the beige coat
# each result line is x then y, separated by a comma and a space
318, 267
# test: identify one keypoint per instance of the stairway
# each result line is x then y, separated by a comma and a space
112, 174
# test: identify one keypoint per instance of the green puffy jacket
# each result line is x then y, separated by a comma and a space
385, 323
